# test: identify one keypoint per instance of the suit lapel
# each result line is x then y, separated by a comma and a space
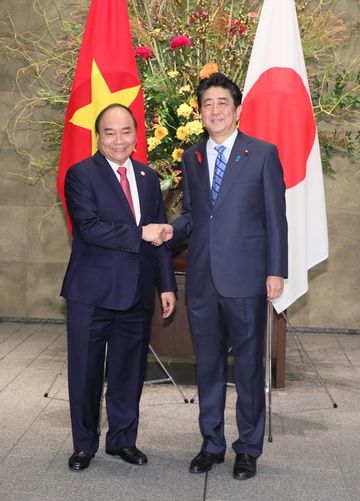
202, 170
237, 161
141, 180
107, 173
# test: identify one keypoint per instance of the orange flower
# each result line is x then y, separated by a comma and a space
208, 70
194, 103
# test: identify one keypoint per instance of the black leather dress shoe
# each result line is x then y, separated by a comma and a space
244, 467
204, 461
131, 455
79, 460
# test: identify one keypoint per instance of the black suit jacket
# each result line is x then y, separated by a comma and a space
110, 263
243, 238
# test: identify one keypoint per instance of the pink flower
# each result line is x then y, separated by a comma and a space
236, 27
194, 17
180, 41
144, 53
198, 156
197, 16
242, 28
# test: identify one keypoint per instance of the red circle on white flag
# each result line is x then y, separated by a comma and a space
278, 109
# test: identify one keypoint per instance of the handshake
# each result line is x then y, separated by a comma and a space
157, 233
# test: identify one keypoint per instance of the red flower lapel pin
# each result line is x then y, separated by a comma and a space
198, 156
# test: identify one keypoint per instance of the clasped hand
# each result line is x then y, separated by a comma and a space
157, 233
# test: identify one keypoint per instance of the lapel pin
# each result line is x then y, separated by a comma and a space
142, 173
237, 158
246, 152
198, 156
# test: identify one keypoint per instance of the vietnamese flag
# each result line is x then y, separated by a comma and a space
277, 108
106, 73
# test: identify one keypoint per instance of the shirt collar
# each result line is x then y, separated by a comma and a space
128, 164
228, 143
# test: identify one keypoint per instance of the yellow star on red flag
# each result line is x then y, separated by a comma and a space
101, 96
106, 73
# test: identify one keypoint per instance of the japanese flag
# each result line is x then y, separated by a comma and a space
277, 108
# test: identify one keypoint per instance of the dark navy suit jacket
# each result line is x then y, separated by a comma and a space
110, 264
243, 238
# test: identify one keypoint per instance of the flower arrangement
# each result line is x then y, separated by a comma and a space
176, 42
175, 48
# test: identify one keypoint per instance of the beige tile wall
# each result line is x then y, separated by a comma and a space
33, 258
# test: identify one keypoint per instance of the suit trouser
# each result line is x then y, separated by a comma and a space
215, 321
126, 334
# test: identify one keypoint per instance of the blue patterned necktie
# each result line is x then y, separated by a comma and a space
220, 166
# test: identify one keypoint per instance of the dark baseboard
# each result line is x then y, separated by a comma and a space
29, 320
325, 330
62, 321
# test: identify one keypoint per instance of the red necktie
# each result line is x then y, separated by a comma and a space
125, 185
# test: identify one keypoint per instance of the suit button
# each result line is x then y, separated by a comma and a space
212, 216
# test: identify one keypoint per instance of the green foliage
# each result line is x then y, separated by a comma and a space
221, 32
175, 47
339, 142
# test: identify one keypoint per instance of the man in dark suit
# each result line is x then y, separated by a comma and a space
115, 205
234, 217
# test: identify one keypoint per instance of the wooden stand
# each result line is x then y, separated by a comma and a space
173, 337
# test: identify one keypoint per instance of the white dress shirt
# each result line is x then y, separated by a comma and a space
212, 153
130, 174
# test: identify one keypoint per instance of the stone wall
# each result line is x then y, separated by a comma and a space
35, 246
333, 300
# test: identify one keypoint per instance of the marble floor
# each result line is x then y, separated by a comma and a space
314, 455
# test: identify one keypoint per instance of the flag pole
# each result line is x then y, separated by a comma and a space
307, 356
